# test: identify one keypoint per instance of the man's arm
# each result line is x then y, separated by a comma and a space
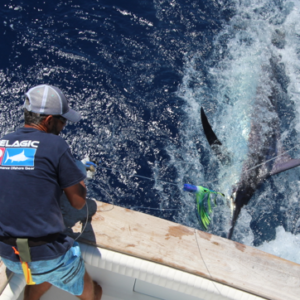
76, 194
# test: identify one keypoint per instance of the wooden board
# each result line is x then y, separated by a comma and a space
193, 251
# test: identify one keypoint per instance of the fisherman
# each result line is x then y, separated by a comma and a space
36, 165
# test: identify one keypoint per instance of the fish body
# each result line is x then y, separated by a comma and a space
265, 155
17, 158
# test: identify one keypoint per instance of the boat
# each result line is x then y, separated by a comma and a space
135, 256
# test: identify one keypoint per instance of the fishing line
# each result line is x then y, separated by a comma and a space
150, 208
148, 178
87, 213
112, 200
207, 182
176, 184
140, 176
170, 183
86, 221
204, 262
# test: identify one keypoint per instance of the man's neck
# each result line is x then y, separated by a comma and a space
41, 127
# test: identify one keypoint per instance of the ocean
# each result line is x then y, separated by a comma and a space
139, 71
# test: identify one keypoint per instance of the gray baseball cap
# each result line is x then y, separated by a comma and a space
49, 100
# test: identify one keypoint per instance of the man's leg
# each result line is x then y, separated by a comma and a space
91, 290
35, 292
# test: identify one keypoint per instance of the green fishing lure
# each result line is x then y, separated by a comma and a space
203, 196
203, 212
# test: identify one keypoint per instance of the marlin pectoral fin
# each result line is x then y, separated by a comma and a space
209, 133
281, 167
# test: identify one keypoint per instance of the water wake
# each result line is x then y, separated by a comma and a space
260, 41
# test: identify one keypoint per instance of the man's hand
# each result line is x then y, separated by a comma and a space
76, 194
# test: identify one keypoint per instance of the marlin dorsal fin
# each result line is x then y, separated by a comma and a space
209, 133
220, 151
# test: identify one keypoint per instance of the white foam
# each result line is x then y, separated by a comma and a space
285, 245
247, 44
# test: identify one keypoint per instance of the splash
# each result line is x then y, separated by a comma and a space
283, 245
259, 34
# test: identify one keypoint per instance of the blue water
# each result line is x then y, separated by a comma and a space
138, 71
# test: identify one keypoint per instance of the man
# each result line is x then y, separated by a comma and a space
36, 165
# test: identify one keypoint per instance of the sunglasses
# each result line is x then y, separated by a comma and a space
62, 119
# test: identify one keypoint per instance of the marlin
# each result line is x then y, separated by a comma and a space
266, 156
18, 157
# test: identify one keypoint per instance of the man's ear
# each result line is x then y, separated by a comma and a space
47, 122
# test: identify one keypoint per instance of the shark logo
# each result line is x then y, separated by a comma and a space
19, 157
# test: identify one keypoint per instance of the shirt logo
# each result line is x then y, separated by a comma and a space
17, 144
18, 157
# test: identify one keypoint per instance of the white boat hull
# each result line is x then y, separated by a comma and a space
124, 277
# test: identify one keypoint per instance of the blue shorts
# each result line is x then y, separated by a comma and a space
65, 272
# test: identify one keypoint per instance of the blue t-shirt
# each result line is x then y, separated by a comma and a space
35, 167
